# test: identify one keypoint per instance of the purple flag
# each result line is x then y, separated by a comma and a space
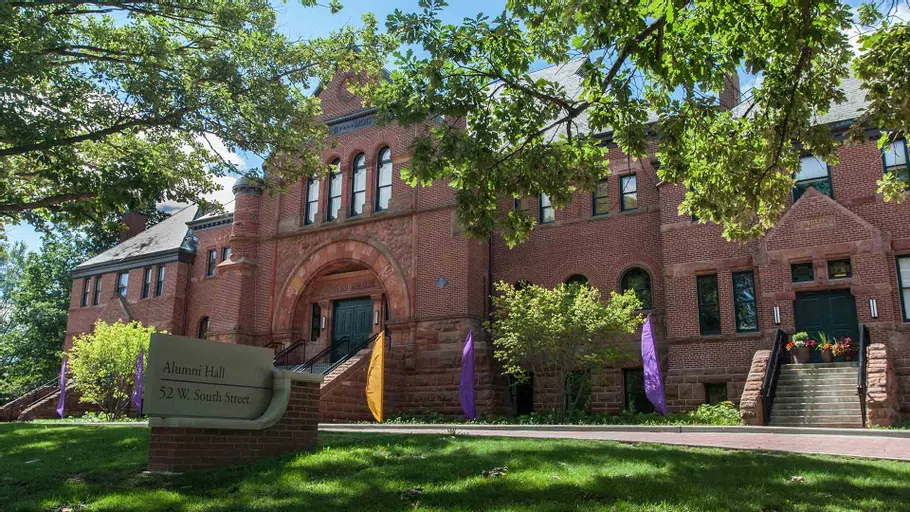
467, 378
654, 384
61, 403
137, 389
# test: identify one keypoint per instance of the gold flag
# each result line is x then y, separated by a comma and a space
376, 377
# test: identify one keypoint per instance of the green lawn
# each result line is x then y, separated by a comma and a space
45, 467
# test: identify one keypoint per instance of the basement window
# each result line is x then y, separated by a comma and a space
715, 393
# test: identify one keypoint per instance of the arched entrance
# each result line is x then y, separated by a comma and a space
341, 292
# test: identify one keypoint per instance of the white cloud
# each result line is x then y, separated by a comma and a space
214, 142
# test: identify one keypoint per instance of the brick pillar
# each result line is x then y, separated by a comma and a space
237, 281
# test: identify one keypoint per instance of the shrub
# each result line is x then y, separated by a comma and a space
103, 364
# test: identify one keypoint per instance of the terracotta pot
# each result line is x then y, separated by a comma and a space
801, 355
827, 356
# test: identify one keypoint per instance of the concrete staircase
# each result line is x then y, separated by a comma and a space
817, 395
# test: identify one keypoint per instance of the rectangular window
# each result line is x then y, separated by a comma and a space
602, 197
903, 280
634, 385
521, 204
547, 215
813, 172
85, 286
315, 320
312, 201
359, 185
211, 262
225, 253
744, 305
840, 269
708, 305
146, 282
159, 284
628, 187
123, 283
334, 192
384, 180
894, 159
715, 393
96, 293
802, 273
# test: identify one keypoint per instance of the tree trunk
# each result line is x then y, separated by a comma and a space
561, 394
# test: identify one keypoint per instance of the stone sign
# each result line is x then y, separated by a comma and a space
816, 224
352, 124
193, 378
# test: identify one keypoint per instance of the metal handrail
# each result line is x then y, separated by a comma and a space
352, 349
861, 374
284, 352
769, 384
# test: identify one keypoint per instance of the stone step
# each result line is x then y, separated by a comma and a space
817, 422
815, 406
850, 412
849, 381
819, 366
831, 400
817, 396
818, 374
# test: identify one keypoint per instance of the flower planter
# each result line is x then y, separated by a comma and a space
827, 356
840, 359
801, 355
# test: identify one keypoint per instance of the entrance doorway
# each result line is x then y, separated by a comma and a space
833, 313
352, 323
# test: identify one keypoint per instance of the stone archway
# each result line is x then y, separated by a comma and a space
337, 253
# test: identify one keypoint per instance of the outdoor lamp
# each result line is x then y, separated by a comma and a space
776, 315
376, 317
323, 322
873, 308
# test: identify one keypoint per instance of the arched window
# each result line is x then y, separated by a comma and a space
312, 200
203, 328
334, 191
577, 279
522, 284
359, 185
383, 179
639, 280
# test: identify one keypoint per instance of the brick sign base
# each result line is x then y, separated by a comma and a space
177, 445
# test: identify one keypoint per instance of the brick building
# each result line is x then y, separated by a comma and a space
332, 260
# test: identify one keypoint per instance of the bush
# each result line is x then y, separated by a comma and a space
724, 413
103, 364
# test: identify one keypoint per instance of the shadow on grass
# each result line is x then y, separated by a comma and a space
431, 472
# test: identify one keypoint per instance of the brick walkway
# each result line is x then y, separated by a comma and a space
871, 446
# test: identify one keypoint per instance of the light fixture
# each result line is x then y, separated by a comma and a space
376, 317
776, 315
873, 308
323, 322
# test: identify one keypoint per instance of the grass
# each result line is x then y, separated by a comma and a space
46, 467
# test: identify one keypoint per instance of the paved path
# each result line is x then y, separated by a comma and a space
872, 446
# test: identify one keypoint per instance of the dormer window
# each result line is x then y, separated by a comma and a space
813, 172
895, 160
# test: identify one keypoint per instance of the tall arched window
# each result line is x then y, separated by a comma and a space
639, 280
334, 191
358, 185
312, 200
203, 328
383, 179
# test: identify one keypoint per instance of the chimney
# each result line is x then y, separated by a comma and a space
729, 95
135, 224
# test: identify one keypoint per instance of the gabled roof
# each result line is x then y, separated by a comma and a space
850, 109
162, 242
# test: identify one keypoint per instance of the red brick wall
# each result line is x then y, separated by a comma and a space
183, 449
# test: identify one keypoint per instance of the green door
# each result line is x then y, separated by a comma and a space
352, 322
833, 313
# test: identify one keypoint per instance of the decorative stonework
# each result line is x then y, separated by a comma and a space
751, 405
881, 388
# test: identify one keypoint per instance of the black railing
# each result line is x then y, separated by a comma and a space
288, 356
340, 351
861, 374
769, 385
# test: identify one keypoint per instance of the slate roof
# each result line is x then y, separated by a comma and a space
167, 238
849, 110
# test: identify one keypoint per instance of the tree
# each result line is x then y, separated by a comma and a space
103, 364
559, 332
38, 304
652, 67
106, 106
